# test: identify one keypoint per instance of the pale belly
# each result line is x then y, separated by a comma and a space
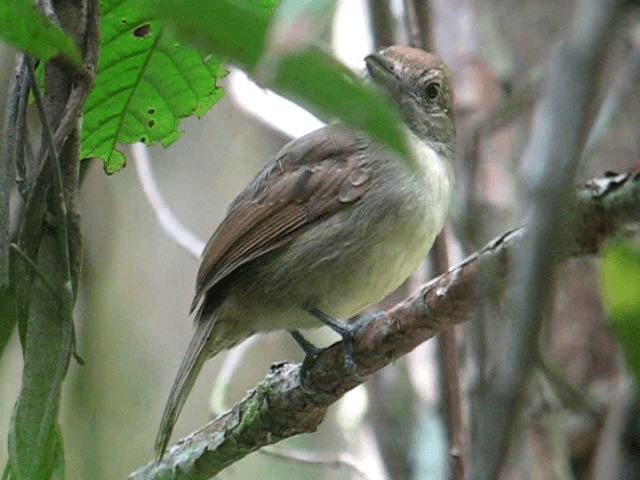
386, 266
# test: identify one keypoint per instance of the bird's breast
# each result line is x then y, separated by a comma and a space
411, 210
413, 230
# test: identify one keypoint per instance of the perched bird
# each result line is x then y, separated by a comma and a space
330, 226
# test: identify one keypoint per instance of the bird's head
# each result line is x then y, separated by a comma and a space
420, 84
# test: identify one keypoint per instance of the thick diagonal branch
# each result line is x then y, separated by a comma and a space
279, 408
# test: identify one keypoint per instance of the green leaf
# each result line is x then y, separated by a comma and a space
322, 84
146, 82
242, 32
621, 291
24, 27
236, 29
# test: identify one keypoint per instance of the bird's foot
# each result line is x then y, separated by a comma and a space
348, 331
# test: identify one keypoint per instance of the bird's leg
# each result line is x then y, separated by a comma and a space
348, 332
310, 354
310, 350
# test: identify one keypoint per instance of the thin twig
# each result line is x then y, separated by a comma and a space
233, 360
450, 375
23, 143
411, 24
72, 110
571, 398
46, 126
91, 41
511, 106
82, 88
340, 460
17, 209
169, 222
34, 267
30, 161
607, 458
380, 22
625, 85
30, 234
6, 165
424, 22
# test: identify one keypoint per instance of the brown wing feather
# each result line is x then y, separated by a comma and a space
310, 178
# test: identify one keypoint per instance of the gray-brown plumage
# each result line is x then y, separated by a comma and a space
334, 223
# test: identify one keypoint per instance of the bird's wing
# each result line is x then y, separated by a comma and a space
309, 178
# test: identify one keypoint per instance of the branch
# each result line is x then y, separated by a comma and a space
614, 102
607, 459
450, 378
279, 407
35, 269
30, 234
59, 205
169, 223
6, 165
23, 142
511, 106
327, 460
380, 22
46, 327
559, 132
411, 25
30, 228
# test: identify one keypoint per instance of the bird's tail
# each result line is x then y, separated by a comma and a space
186, 377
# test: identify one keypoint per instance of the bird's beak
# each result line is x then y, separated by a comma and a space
380, 69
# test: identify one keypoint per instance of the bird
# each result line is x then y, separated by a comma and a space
333, 223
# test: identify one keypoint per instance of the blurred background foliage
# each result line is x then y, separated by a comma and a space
137, 284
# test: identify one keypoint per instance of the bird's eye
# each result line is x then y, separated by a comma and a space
433, 90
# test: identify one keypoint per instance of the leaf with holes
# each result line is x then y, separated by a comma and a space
146, 82
307, 75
